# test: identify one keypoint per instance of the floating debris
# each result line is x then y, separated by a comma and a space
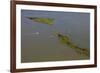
48, 21
65, 40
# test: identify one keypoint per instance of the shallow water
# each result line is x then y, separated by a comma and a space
38, 40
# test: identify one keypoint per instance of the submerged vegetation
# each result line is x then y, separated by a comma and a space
65, 40
48, 21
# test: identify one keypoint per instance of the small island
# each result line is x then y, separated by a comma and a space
48, 21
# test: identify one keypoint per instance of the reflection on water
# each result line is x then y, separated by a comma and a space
41, 42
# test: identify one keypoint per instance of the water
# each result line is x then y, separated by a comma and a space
38, 40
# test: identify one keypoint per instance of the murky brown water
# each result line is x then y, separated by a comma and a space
38, 40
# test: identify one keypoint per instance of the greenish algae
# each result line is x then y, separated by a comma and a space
48, 21
65, 40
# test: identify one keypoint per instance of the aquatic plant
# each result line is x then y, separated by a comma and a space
65, 40
48, 21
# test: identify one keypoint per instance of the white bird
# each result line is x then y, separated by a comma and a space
36, 33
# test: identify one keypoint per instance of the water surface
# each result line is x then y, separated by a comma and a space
38, 40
